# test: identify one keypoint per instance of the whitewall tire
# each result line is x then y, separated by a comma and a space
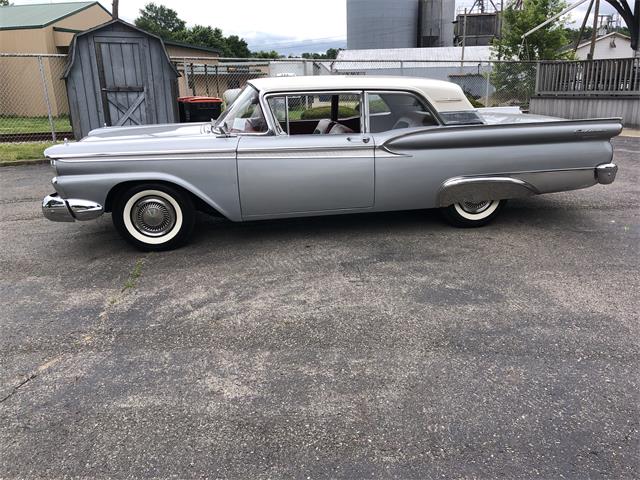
154, 216
472, 214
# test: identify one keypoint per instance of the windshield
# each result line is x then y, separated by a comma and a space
244, 115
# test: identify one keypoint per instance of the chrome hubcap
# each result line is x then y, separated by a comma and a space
153, 216
475, 207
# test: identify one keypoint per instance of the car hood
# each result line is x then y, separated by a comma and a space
165, 130
139, 140
177, 140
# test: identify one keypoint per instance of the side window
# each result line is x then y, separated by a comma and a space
392, 111
317, 113
278, 106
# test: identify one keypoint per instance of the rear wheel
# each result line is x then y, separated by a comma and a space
154, 216
472, 214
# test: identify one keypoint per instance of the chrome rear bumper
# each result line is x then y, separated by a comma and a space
58, 209
606, 173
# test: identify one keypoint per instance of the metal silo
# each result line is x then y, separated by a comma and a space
436, 23
382, 24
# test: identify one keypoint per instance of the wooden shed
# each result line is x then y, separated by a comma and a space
119, 75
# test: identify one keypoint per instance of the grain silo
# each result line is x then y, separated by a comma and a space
435, 25
373, 24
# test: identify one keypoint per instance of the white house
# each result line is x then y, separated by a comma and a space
613, 45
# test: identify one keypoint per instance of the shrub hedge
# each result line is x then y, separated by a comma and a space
318, 113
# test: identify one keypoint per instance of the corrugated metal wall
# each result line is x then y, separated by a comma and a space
382, 24
580, 107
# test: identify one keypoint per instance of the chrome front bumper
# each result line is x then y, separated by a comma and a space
606, 173
58, 209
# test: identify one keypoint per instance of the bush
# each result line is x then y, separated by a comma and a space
318, 113
474, 103
378, 106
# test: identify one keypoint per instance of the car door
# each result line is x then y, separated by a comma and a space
304, 174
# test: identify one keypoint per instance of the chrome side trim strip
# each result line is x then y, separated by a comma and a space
152, 155
342, 152
141, 159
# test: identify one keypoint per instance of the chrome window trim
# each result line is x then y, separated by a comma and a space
270, 129
291, 93
416, 93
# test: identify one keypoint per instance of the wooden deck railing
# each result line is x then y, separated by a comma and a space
614, 77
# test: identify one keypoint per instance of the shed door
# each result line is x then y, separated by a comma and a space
123, 69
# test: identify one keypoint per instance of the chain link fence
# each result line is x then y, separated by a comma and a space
33, 98
486, 83
34, 105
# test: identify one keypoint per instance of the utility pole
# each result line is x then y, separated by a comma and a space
114, 9
584, 24
464, 39
594, 33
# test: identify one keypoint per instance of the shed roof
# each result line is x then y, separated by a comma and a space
174, 43
17, 17
74, 42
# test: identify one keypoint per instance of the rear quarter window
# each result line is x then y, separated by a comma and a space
461, 118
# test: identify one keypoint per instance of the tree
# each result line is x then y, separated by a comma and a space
237, 47
5, 3
546, 43
161, 21
330, 54
204, 36
515, 82
265, 54
165, 23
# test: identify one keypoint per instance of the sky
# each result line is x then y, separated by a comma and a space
288, 26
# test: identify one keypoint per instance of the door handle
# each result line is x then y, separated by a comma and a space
359, 139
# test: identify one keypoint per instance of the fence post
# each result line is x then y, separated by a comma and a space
46, 98
538, 86
206, 79
217, 82
186, 76
486, 91
193, 80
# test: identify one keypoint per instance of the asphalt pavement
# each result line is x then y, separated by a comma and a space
368, 346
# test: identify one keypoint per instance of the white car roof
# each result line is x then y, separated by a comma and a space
444, 96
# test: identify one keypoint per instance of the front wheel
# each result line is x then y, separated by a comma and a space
154, 217
472, 214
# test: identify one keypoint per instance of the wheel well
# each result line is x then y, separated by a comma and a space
198, 203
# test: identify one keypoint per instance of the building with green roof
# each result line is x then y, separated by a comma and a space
47, 27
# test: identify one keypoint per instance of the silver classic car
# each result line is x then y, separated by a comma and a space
324, 145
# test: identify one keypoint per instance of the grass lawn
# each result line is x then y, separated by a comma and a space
33, 124
10, 152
